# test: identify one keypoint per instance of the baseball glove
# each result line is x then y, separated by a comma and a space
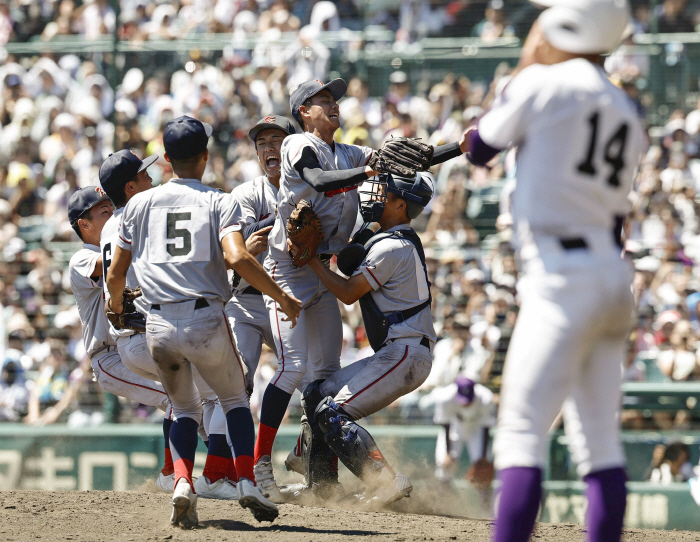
304, 231
481, 473
403, 156
129, 318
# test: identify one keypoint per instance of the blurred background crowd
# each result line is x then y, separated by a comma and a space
62, 113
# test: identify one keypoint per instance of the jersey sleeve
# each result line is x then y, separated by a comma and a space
230, 215
360, 155
513, 110
245, 196
82, 266
292, 149
380, 262
125, 230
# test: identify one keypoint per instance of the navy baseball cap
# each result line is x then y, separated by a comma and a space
83, 200
121, 167
337, 87
185, 137
278, 122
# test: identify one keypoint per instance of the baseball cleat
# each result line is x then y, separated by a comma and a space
250, 496
391, 490
294, 462
165, 482
222, 489
184, 506
265, 479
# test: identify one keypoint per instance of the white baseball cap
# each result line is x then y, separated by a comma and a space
584, 26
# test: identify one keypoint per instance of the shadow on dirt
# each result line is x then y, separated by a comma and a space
232, 525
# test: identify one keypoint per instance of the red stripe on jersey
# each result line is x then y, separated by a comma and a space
120, 237
332, 193
375, 278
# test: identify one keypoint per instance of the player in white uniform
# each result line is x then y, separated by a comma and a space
88, 210
177, 235
122, 176
389, 277
246, 310
579, 142
326, 174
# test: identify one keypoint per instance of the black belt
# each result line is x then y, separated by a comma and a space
201, 303
252, 291
572, 243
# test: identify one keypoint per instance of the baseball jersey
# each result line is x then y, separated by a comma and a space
90, 299
173, 233
579, 141
258, 200
394, 270
466, 419
337, 209
108, 242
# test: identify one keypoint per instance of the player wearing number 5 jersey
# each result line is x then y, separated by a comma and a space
177, 235
579, 142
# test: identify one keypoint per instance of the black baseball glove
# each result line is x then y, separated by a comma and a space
402, 156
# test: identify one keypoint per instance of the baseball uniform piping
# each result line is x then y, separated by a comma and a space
279, 335
405, 355
375, 278
126, 382
120, 237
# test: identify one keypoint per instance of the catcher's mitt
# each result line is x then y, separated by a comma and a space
481, 473
129, 318
403, 156
304, 231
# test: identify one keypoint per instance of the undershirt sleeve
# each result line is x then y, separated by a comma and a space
310, 170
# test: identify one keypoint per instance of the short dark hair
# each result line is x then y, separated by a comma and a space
186, 162
306, 104
76, 228
118, 196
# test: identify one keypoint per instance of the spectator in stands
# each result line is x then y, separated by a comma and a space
675, 466
672, 17
494, 24
14, 395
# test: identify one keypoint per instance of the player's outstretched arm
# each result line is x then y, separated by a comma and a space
347, 290
116, 278
240, 260
309, 169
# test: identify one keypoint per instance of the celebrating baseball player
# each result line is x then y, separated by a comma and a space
579, 142
321, 175
89, 209
181, 238
389, 278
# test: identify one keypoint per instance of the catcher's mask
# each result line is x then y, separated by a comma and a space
416, 191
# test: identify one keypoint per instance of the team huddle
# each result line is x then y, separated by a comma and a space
179, 286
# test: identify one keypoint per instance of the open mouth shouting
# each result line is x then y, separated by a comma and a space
334, 117
272, 161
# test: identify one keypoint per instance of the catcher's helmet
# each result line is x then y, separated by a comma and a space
416, 191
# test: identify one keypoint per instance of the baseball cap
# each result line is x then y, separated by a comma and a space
185, 137
121, 167
584, 26
337, 87
281, 123
83, 200
465, 390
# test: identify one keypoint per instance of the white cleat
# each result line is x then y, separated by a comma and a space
165, 483
391, 490
294, 462
223, 489
250, 496
265, 479
184, 506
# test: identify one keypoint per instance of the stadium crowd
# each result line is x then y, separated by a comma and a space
60, 117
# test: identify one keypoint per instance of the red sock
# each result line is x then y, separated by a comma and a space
244, 467
183, 469
215, 467
168, 467
263, 444
231, 473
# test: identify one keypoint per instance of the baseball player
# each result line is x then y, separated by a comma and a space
177, 236
88, 210
579, 142
326, 174
122, 176
389, 278
246, 310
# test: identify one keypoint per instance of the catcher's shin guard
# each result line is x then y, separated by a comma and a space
317, 459
352, 443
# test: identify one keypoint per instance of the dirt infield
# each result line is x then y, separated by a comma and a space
139, 516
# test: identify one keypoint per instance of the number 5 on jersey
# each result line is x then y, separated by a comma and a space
178, 234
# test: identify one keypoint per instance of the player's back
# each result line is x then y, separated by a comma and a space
579, 140
174, 234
